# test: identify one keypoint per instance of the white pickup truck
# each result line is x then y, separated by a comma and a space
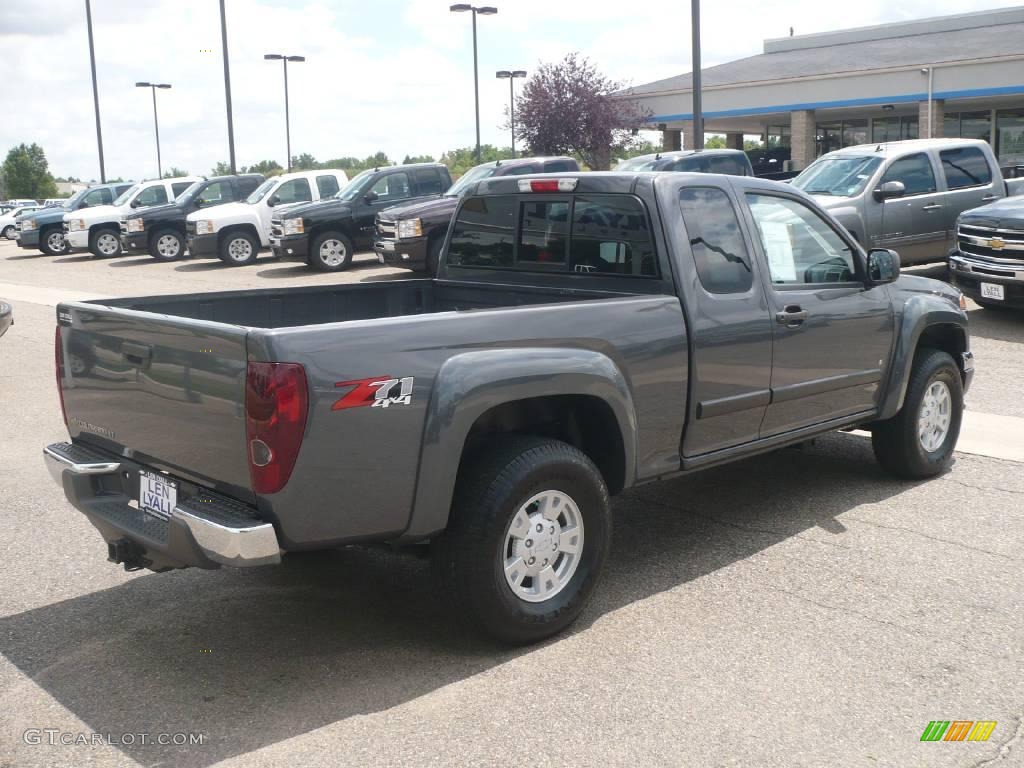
235, 232
99, 228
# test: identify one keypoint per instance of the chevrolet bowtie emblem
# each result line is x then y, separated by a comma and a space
997, 243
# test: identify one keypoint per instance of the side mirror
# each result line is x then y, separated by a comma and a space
273, 200
883, 265
370, 197
890, 189
135, 203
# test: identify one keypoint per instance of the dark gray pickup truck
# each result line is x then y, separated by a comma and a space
585, 333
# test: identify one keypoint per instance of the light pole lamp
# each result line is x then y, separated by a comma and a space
511, 75
156, 123
287, 126
486, 10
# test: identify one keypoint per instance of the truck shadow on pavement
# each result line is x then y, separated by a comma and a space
251, 658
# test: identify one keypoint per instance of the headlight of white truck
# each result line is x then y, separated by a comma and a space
410, 228
294, 226
76, 225
27, 225
204, 227
136, 225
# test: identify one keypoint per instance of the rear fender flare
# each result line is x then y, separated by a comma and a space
470, 384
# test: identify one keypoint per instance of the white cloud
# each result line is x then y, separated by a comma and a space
389, 75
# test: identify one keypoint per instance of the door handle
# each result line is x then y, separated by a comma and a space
931, 207
791, 317
986, 198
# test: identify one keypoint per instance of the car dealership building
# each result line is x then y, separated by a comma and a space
815, 93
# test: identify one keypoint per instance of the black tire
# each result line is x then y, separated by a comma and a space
167, 244
469, 557
330, 252
896, 442
9, 232
48, 238
238, 248
434, 255
105, 243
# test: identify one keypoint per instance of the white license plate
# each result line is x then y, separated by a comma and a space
157, 494
992, 291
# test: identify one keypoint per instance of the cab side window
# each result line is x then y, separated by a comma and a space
557, 166
180, 186
217, 193
327, 186
294, 191
965, 167
915, 171
393, 186
96, 197
151, 196
719, 251
429, 181
800, 246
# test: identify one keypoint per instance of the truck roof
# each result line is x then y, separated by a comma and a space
610, 182
907, 146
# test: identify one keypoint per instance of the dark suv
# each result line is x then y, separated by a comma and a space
729, 161
411, 235
160, 230
329, 232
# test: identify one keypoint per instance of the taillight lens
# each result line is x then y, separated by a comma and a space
58, 364
276, 405
547, 185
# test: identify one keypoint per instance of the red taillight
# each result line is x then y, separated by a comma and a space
58, 364
276, 404
547, 185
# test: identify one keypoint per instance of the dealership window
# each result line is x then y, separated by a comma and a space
976, 125
1010, 137
908, 127
885, 129
855, 132
778, 136
847, 133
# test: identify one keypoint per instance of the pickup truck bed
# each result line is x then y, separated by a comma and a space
585, 333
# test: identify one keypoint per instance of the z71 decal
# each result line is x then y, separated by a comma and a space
377, 392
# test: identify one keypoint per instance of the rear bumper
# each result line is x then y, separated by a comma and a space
204, 530
202, 245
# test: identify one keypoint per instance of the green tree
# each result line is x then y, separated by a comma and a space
304, 162
462, 159
27, 174
353, 165
640, 147
266, 167
174, 172
714, 141
418, 159
221, 169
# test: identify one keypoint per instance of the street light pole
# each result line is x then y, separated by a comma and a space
95, 91
698, 114
511, 76
227, 87
485, 10
156, 123
287, 119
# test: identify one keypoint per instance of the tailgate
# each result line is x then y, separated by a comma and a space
166, 391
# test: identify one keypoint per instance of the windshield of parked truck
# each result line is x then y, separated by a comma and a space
354, 188
261, 191
470, 177
128, 194
69, 204
837, 176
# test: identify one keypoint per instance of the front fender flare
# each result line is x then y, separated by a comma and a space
471, 383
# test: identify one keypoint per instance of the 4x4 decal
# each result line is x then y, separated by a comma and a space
377, 392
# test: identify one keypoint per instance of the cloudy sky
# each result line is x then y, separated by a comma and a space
391, 75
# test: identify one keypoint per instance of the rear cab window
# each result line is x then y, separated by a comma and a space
582, 234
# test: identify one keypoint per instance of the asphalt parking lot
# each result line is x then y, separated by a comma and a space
795, 609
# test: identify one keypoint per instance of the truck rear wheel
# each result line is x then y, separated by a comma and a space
918, 442
166, 245
330, 252
105, 242
529, 532
238, 248
51, 241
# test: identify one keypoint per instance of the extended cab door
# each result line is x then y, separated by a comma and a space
832, 335
914, 224
389, 189
728, 317
969, 184
297, 190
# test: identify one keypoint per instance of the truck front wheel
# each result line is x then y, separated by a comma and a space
166, 245
918, 442
239, 248
330, 252
51, 241
526, 541
105, 242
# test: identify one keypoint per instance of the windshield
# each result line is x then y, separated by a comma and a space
127, 194
837, 176
260, 192
471, 176
69, 204
638, 164
351, 190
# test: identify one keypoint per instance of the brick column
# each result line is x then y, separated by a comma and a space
671, 140
938, 119
734, 140
802, 132
688, 135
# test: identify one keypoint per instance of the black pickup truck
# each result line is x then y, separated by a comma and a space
160, 230
987, 262
328, 233
411, 235
585, 333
